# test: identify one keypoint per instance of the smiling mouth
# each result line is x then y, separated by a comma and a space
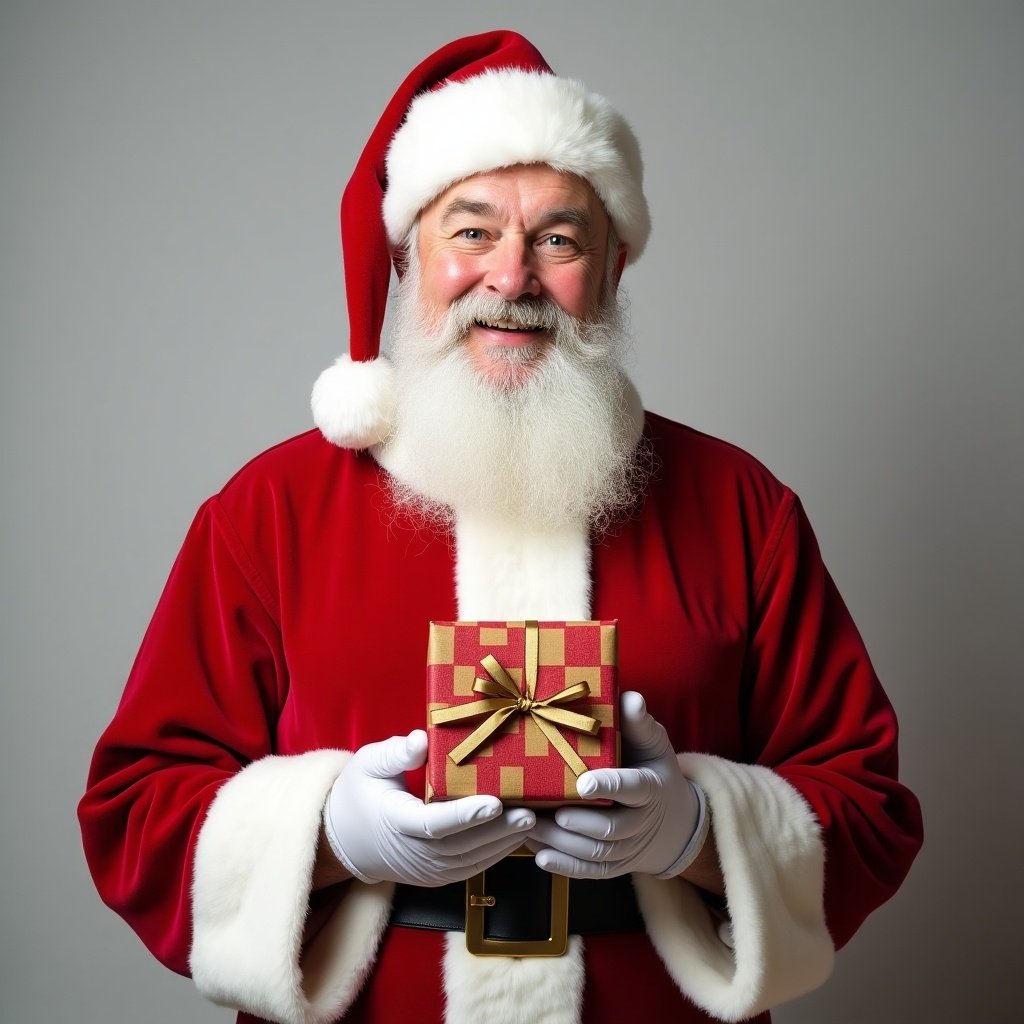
510, 326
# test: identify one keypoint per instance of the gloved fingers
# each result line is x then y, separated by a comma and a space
410, 816
550, 834
611, 824
509, 825
643, 737
572, 867
458, 869
633, 787
393, 756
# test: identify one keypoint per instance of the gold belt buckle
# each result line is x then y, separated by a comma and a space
478, 902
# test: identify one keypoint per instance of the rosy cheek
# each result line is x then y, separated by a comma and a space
450, 275
573, 292
458, 273
444, 278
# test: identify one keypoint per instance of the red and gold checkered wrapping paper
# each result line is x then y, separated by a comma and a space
518, 763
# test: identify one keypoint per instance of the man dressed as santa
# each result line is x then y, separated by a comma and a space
255, 809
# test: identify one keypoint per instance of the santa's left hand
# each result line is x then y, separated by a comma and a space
659, 827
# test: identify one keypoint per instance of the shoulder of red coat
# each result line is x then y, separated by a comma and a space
710, 462
301, 465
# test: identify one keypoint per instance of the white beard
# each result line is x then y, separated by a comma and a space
561, 448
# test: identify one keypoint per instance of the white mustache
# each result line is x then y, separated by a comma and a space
526, 313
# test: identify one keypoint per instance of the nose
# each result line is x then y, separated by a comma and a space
510, 272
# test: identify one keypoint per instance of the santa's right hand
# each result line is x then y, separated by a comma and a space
381, 832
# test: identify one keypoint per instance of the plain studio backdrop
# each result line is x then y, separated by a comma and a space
835, 282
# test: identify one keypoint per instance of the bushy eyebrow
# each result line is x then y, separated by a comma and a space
562, 215
467, 206
569, 215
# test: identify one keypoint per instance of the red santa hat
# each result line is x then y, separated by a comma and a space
478, 104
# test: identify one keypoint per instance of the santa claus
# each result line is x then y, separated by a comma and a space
255, 808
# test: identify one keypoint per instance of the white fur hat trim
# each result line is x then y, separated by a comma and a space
508, 117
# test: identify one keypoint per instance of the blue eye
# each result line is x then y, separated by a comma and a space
472, 234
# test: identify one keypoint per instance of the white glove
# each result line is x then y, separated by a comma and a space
660, 827
381, 832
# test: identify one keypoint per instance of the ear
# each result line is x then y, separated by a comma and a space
620, 262
400, 255
400, 260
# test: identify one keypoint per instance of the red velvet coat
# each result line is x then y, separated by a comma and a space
295, 619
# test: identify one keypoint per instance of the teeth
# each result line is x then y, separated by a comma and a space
510, 325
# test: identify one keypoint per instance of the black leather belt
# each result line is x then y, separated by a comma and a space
516, 909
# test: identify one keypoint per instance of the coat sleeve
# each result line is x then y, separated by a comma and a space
819, 716
815, 831
195, 830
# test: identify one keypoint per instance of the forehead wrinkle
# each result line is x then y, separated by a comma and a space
473, 207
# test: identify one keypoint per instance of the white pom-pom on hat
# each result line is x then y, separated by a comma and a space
353, 403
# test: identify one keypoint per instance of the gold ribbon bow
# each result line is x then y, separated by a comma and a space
505, 699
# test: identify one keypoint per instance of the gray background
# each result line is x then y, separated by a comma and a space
835, 282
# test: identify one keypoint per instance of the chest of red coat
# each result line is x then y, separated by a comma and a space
358, 590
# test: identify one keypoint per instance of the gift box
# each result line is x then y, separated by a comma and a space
520, 709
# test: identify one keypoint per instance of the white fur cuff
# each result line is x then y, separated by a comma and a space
773, 861
250, 894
